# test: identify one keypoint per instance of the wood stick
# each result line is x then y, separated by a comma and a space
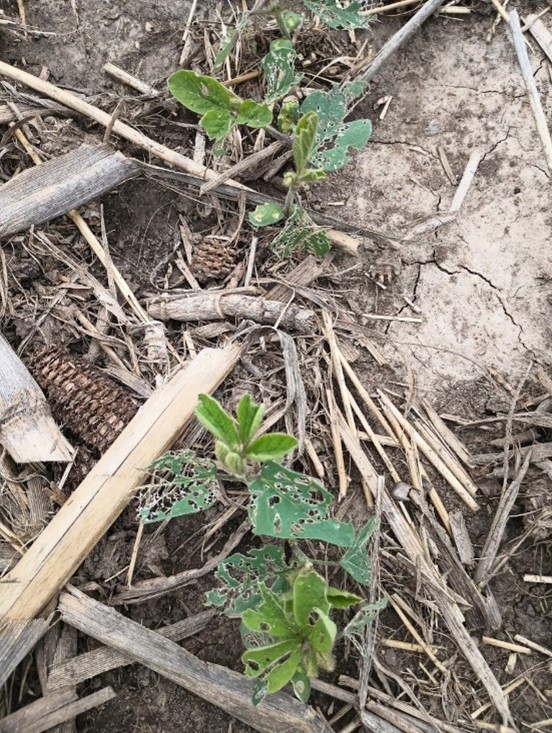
506, 645
33, 720
27, 428
540, 33
246, 164
102, 660
533, 645
216, 306
131, 81
537, 578
218, 685
453, 442
43, 193
105, 119
531, 86
400, 38
496, 531
17, 639
433, 584
107, 489
430, 453
467, 178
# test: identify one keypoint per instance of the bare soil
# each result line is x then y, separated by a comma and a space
481, 288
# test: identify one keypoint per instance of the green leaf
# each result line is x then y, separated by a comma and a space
322, 634
342, 598
335, 14
266, 214
311, 174
290, 505
279, 69
249, 417
269, 617
217, 124
303, 140
242, 576
200, 94
283, 672
270, 447
254, 115
183, 484
301, 685
309, 592
292, 21
212, 416
259, 660
288, 115
259, 692
301, 234
356, 561
334, 137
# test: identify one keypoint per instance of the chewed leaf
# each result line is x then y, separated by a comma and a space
309, 592
266, 214
334, 137
242, 576
356, 561
301, 685
290, 505
269, 617
301, 234
336, 14
200, 94
342, 598
279, 68
182, 484
283, 672
228, 46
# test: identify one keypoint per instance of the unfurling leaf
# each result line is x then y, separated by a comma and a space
217, 421
266, 214
303, 140
249, 417
270, 447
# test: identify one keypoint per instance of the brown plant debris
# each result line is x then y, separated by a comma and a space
213, 259
81, 396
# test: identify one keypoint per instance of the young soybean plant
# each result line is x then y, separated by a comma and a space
285, 605
300, 232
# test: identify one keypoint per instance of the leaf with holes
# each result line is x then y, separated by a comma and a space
279, 69
309, 592
301, 234
356, 628
214, 417
266, 214
269, 617
183, 484
356, 561
242, 575
290, 505
336, 14
334, 137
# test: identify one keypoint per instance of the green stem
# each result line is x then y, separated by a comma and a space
289, 200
